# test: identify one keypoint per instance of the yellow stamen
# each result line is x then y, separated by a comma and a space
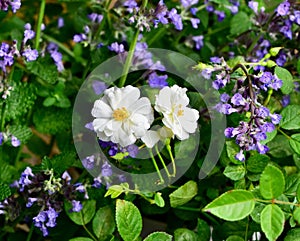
120, 114
180, 111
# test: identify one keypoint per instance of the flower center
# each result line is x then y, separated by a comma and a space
180, 111
120, 114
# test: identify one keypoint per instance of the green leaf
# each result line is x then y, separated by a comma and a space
240, 23
203, 230
20, 100
232, 149
270, 137
44, 68
298, 193
287, 79
235, 172
51, 120
291, 184
23, 133
161, 236
114, 191
295, 143
257, 163
129, 220
296, 215
81, 239
272, 221
234, 238
4, 191
183, 194
49, 101
272, 182
103, 222
256, 213
290, 117
280, 147
183, 234
293, 235
85, 215
158, 199
232, 206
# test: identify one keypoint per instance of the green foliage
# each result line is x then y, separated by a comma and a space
272, 221
272, 182
81, 239
103, 223
232, 206
51, 120
20, 101
85, 215
4, 191
183, 194
257, 163
44, 69
23, 133
235, 172
295, 143
183, 234
290, 117
287, 79
129, 220
162, 236
240, 23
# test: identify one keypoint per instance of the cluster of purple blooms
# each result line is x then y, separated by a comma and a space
248, 134
142, 58
47, 192
15, 142
86, 36
14, 4
52, 49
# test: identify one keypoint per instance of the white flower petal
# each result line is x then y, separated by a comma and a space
99, 124
101, 109
150, 138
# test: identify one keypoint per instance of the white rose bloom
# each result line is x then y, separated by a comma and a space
172, 103
121, 115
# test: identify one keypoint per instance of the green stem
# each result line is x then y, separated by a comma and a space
86, 229
270, 92
283, 133
30, 233
39, 24
156, 166
18, 154
157, 35
129, 59
162, 161
172, 159
2, 117
277, 202
247, 228
189, 209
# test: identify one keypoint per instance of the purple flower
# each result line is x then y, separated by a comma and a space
195, 22
1, 138
118, 48
188, 3
15, 5
266, 78
225, 109
194, 11
24, 179
240, 156
176, 19
238, 99
52, 215
76, 206
89, 162
285, 100
131, 5
106, 170
253, 5
77, 38
281, 59
97, 182
267, 127
206, 73
276, 83
157, 81
220, 15
262, 149
132, 150
96, 18
60, 22
224, 97
89, 126
216, 60
15, 141
228, 132
30, 54
283, 8
287, 31
31, 201
263, 112
122, 178
198, 41
275, 118
28, 33
98, 87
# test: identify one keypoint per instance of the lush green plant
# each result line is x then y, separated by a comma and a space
239, 67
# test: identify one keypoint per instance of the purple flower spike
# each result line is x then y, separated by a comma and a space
238, 99
240, 156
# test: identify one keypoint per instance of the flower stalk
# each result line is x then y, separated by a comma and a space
39, 24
